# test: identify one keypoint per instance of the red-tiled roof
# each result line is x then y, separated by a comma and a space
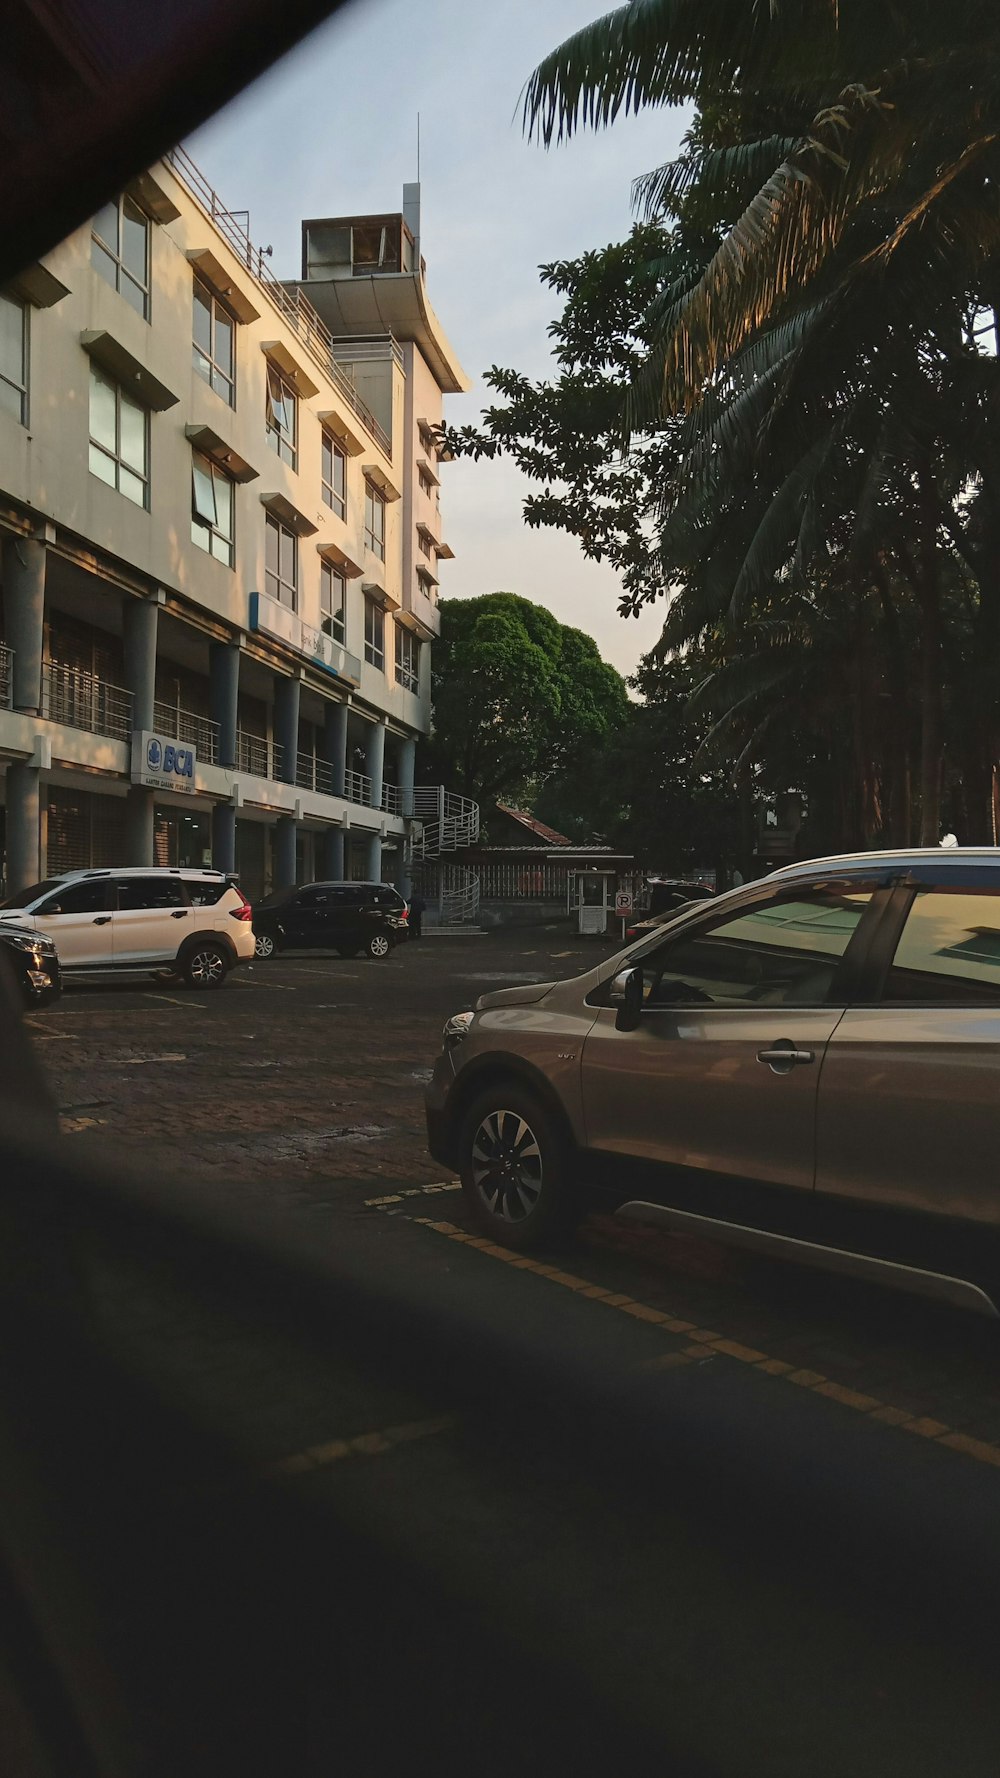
521, 816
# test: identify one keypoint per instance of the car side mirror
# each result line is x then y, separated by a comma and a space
626, 996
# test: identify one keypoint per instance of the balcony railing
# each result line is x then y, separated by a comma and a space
358, 788
6, 676
392, 799
195, 731
295, 308
312, 773
258, 756
82, 700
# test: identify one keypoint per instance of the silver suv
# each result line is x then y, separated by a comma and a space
809, 1065
194, 924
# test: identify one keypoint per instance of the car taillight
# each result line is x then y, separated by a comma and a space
245, 911
404, 913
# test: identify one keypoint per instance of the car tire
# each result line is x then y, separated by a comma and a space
514, 1162
378, 945
263, 945
205, 964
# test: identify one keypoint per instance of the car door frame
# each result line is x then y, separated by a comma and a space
856, 975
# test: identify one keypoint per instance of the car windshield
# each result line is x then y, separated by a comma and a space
24, 897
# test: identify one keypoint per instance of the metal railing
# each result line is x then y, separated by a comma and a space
359, 347
295, 308
6, 676
392, 799
195, 731
448, 822
358, 788
257, 755
84, 701
314, 773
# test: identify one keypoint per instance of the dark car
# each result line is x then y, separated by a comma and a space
35, 963
344, 917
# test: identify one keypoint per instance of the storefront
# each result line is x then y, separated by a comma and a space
182, 839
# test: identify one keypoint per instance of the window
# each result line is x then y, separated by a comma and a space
213, 509
214, 346
949, 950
119, 249
88, 897
14, 357
374, 635
205, 894
425, 545
332, 603
119, 439
407, 659
779, 952
334, 476
282, 416
426, 481
375, 520
281, 562
150, 892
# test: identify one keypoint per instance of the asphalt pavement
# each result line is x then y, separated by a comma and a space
748, 1511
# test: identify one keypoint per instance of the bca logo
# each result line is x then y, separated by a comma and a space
177, 761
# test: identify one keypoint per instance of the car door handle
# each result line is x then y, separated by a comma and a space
179, 914
785, 1058
102, 920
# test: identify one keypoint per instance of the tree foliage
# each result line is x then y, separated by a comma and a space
517, 697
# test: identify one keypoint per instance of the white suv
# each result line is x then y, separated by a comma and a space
192, 923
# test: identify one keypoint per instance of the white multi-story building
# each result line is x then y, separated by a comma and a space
219, 543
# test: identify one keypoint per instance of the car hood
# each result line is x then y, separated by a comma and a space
15, 929
527, 995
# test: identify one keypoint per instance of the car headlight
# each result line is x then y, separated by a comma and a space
457, 1027
21, 941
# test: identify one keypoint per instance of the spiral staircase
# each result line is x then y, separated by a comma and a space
444, 824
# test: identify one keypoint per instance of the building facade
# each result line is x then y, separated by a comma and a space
219, 547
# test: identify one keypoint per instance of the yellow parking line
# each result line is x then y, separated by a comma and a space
365, 1444
705, 1345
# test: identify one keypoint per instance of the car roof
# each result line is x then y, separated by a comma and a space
944, 858
142, 870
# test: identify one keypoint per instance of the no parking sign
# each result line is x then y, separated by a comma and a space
623, 903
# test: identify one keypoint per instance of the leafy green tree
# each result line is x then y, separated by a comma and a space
517, 696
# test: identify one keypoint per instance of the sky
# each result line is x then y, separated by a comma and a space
332, 130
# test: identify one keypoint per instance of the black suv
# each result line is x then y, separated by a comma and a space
34, 962
344, 917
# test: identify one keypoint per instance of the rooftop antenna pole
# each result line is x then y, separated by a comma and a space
418, 148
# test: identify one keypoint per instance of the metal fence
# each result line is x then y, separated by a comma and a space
314, 773
195, 731
82, 700
256, 754
6, 676
358, 788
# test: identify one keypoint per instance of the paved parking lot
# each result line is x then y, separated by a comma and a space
300, 1084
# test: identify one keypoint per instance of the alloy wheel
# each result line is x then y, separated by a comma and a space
263, 945
507, 1165
379, 946
207, 968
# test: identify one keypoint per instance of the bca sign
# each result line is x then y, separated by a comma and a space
623, 903
161, 763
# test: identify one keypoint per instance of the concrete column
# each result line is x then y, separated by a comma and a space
139, 825
375, 766
285, 834
24, 615
223, 693
286, 729
407, 769
224, 836
373, 867
23, 803
335, 743
331, 855
141, 618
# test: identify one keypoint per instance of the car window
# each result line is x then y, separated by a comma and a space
91, 896
949, 950
780, 952
25, 897
150, 892
205, 894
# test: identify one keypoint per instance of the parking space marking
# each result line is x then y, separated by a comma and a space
170, 1001
700, 1344
365, 1444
